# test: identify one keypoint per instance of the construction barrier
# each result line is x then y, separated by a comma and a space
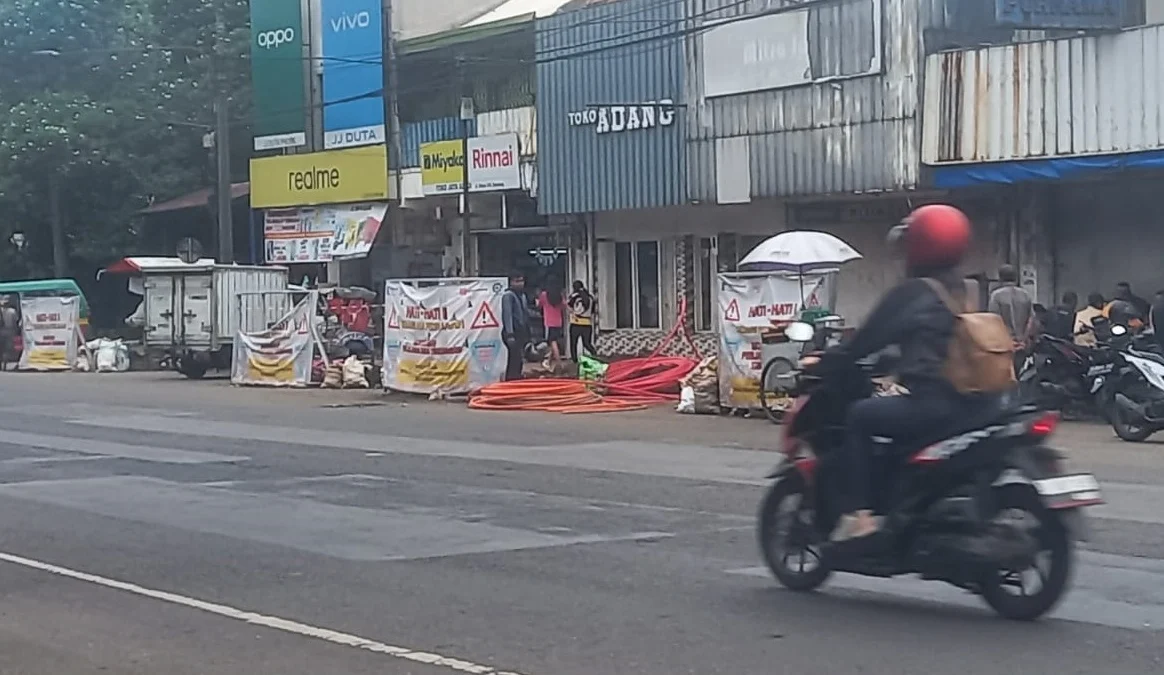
281, 355
443, 335
50, 330
751, 305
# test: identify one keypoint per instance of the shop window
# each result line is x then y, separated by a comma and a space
636, 270
705, 296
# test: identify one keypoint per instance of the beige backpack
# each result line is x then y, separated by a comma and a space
981, 356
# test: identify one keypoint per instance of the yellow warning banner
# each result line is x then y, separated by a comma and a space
443, 336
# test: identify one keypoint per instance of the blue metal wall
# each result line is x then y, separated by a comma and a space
413, 134
623, 53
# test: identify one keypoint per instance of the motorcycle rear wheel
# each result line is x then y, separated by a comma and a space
1054, 540
789, 540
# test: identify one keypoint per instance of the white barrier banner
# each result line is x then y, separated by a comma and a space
749, 307
444, 337
50, 330
280, 356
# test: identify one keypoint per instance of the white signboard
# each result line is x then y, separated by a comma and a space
749, 307
773, 51
355, 227
351, 138
50, 330
320, 233
280, 356
494, 163
443, 338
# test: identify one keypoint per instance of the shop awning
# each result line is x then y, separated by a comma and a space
196, 199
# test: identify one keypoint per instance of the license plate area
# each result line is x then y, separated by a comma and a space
1072, 491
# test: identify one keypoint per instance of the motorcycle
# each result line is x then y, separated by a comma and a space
1059, 375
1138, 387
977, 508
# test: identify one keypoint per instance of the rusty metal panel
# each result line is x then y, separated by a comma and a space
1093, 95
521, 121
816, 138
617, 59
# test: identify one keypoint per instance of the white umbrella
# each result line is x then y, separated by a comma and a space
799, 251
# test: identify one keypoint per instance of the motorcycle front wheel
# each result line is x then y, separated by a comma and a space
1006, 590
1126, 428
788, 537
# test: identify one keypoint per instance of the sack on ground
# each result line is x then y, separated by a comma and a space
704, 384
981, 356
353, 374
334, 377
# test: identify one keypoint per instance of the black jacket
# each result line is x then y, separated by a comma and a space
915, 319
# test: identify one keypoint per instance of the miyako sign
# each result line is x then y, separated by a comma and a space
353, 108
333, 177
494, 164
277, 74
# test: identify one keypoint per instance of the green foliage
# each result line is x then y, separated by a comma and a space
111, 100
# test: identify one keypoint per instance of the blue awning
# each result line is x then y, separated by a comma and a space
1042, 170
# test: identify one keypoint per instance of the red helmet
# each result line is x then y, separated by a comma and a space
933, 236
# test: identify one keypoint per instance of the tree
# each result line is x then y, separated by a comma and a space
106, 110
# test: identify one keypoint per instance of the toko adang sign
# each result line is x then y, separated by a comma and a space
617, 118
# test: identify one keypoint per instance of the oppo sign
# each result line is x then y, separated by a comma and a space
273, 39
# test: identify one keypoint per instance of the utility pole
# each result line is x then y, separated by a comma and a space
467, 115
391, 126
222, 146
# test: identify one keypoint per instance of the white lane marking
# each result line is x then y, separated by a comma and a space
271, 622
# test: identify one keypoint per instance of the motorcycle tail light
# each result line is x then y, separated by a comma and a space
1045, 425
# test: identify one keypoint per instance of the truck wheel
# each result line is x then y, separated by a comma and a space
191, 369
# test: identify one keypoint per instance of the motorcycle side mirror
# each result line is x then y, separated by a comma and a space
799, 332
1118, 330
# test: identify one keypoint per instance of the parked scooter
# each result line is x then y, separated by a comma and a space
1137, 388
1060, 375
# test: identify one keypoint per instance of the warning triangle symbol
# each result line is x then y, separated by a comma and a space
393, 319
485, 318
732, 313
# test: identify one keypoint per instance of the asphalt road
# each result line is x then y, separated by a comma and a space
154, 525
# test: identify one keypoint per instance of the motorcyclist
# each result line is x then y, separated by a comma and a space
914, 318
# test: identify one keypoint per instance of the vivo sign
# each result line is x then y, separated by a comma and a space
351, 21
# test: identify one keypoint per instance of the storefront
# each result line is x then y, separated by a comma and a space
320, 207
612, 161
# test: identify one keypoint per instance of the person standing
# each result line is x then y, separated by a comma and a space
1156, 318
582, 313
553, 309
1013, 304
1084, 335
1127, 308
514, 326
9, 325
1124, 292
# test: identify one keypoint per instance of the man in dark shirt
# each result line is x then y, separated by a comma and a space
515, 326
1124, 292
1061, 319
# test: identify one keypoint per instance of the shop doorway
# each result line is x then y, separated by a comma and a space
543, 257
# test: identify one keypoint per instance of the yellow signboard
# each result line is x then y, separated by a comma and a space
442, 167
333, 177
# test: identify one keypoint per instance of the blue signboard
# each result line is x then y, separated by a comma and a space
1060, 14
353, 48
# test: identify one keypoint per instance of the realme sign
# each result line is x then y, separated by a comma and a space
334, 177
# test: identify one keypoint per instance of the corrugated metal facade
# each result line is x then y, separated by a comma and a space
840, 134
624, 53
413, 134
520, 121
1079, 96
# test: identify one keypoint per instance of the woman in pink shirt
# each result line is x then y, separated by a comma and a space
553, 309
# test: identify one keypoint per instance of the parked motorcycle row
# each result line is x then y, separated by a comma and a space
1120, 380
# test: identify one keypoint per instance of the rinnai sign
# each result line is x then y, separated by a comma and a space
618, 118
494, 163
